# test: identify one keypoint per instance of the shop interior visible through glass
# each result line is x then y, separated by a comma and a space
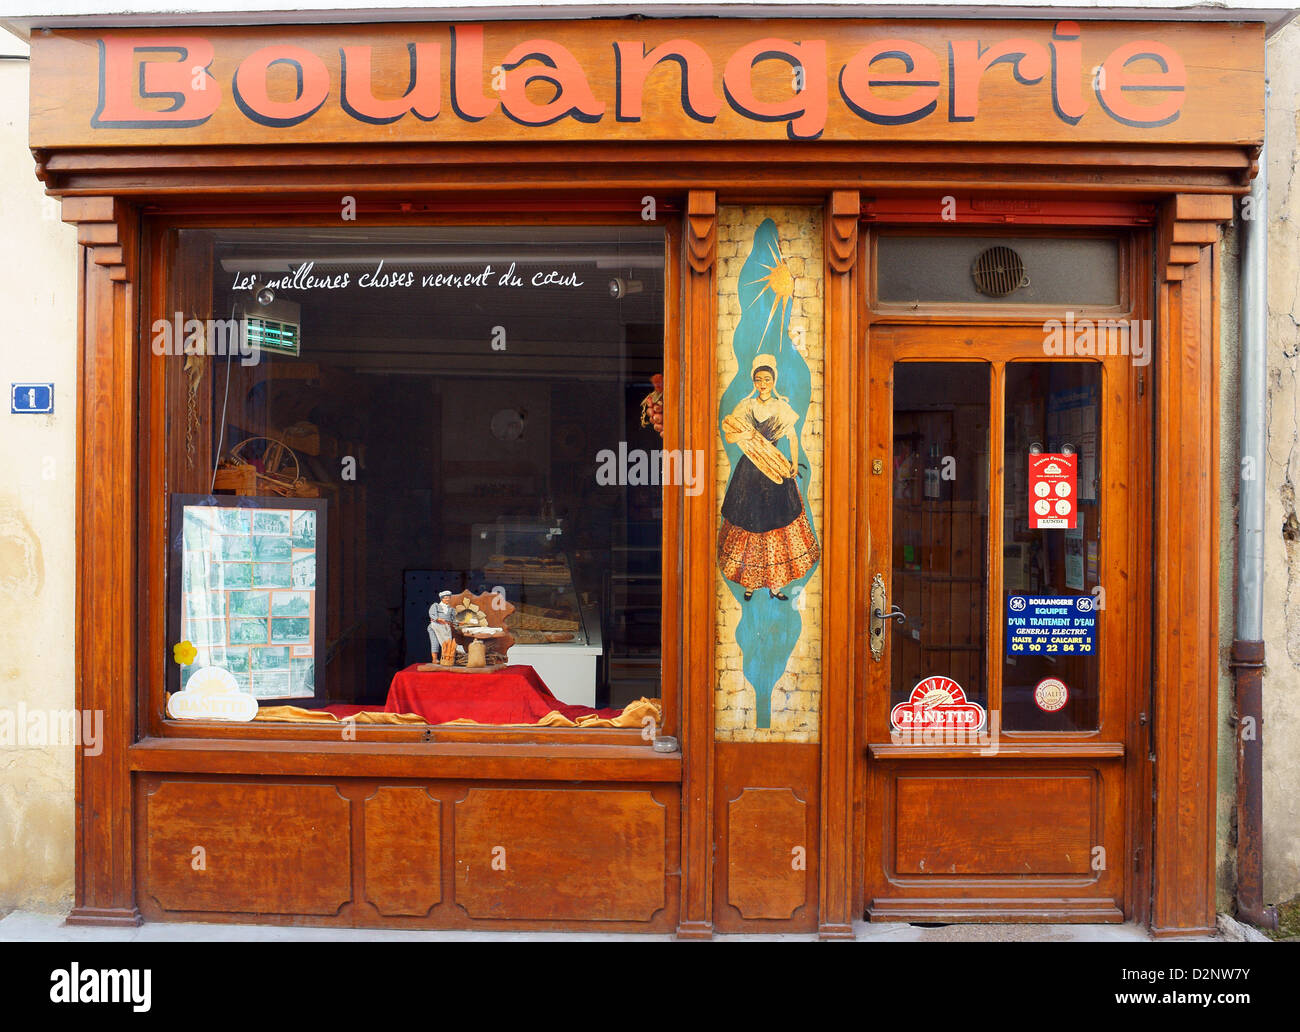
474, 410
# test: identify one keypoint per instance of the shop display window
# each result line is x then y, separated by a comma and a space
379, 434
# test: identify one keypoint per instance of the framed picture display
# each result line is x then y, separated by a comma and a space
246, 587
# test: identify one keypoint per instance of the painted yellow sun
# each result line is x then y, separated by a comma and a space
780, 281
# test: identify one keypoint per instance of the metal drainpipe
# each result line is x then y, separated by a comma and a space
1248, 644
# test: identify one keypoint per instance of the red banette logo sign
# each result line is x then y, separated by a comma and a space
937, 702
719, 79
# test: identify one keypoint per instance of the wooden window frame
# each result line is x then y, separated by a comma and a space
160, 382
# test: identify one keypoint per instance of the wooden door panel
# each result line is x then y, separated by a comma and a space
979, 824
1006, 839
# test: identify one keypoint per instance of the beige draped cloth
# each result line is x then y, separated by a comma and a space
632, 716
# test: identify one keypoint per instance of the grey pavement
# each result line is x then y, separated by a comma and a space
33, 926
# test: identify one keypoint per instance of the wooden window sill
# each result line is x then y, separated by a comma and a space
1002, 750
467, 761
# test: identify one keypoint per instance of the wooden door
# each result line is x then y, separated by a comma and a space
1004, 658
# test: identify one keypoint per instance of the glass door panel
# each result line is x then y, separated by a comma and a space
940, 526
1050, 575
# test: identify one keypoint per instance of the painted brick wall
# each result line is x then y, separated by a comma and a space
796, 699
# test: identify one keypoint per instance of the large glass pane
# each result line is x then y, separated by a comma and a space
1051, 663
940, 525
466, 407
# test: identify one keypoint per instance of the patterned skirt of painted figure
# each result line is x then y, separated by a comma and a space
765, 539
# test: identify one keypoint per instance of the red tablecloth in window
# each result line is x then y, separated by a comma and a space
510, 695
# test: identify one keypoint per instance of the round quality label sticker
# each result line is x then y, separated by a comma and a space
1050, 695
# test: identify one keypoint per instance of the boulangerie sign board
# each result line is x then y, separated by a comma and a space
670, 80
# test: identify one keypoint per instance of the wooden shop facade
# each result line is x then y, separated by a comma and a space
830, 406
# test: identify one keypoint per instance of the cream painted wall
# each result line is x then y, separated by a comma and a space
1281, 722
1280, 728
38, 290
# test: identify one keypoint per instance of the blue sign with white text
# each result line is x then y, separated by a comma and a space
1055, 625
32, 398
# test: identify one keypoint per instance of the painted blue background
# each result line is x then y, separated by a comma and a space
769, 628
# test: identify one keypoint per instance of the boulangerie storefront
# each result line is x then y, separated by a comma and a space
671, 475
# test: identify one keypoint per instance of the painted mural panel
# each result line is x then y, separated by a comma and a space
769, 467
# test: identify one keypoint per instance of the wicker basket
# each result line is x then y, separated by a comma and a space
281, 474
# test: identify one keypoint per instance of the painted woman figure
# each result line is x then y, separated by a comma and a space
765, 539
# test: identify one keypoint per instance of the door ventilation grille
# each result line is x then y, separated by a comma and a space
998, 271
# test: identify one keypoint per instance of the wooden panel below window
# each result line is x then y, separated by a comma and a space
557, 854
766, 836
766, 853
250, 848
364, 853
403, 853
995, 825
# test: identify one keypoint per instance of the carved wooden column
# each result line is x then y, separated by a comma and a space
835, 917
699, 373
106, 556
1185, 645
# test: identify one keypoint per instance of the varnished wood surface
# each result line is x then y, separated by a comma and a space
981, 824
106, 565
767, 806
403, 851
547, 854
1045, 909
84, 89
947, 827
1001, 335
1006, 750
837, 726
389, 759
210, 848
292, 176
766, 831
1185, 642
699, 541
361, 852
672, 615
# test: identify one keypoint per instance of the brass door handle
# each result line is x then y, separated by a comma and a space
879, 618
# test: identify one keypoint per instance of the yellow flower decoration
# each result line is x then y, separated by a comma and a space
184, 653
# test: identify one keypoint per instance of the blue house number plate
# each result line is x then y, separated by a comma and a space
32, 398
